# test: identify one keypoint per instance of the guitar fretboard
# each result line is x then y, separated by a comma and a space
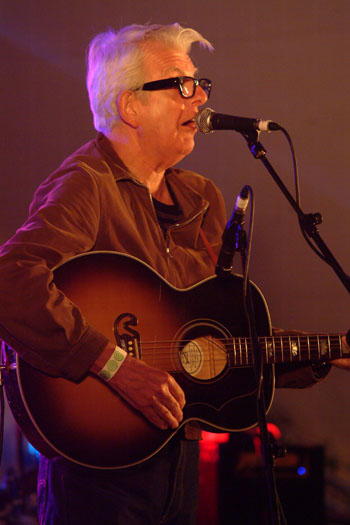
289, 349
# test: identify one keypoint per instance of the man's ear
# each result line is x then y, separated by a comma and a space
127, 107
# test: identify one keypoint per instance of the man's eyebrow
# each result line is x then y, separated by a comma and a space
175, 69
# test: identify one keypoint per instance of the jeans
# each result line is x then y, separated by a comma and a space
161, 490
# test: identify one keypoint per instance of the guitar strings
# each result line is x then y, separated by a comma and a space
270, 339
240, 351
283, 342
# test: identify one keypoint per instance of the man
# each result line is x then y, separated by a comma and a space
120, 192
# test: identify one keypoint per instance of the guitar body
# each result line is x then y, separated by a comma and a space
181, 331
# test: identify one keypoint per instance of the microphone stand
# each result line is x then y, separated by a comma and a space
269, 450
310, 221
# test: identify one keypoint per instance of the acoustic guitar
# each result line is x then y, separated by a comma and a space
200, 335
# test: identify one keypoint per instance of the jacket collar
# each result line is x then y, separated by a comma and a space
108, 152
192, 201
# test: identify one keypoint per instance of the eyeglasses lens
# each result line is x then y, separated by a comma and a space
206, 86
189, 86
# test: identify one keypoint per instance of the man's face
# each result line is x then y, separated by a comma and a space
166, 119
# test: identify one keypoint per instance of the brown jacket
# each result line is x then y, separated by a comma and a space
92, 202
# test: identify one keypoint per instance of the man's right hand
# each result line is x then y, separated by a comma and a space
153, 392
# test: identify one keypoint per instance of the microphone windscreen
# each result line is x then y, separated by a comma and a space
202, 120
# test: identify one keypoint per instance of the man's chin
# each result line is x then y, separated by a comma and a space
185, 151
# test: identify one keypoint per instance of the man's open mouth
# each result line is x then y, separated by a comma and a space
191, 121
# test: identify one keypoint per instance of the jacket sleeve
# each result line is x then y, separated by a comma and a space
36, 319
300, 375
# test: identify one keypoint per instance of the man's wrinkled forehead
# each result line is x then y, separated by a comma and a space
161, 61
177, 71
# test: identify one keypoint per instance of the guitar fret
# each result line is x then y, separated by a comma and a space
329, 347
234, 352
290, 349
282, 352
299, 347
282, 348
340, 346
271, 350
318, 346
240, 351
266, 351
308, 347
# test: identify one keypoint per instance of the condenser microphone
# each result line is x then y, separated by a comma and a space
208, 121
228, 248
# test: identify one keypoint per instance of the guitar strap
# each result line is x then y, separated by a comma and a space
208, 247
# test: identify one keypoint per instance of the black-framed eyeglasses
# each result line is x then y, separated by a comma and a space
187, 85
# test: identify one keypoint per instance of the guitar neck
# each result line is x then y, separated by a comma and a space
290, 349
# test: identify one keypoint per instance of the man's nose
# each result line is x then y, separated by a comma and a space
200, 96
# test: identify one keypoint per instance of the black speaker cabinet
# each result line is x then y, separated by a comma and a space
242, 493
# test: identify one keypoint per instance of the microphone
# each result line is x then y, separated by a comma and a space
228, 248
208, 121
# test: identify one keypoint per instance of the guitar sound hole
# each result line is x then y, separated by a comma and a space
202, 351
203, 358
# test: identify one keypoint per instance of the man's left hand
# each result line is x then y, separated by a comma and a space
343, 362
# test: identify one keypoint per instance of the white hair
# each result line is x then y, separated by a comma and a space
115, 63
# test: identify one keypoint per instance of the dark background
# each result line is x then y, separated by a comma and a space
287, 61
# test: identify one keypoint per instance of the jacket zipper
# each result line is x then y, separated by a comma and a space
174, 226
180, 224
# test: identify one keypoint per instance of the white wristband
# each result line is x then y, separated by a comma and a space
113, 364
